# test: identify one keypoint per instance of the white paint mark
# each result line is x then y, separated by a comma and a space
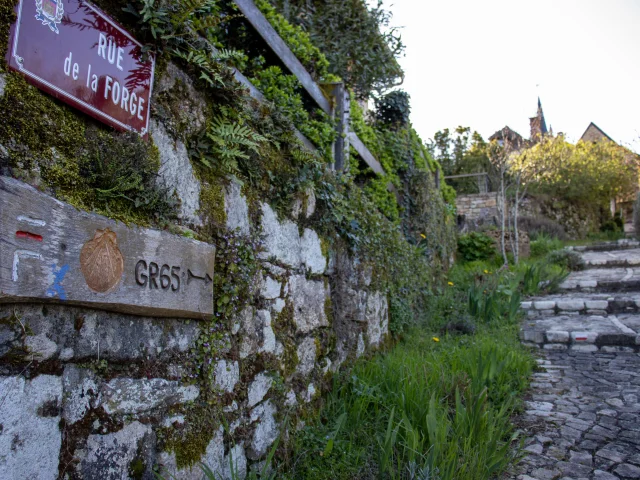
628, 275
34, 222
22, 254
621, 326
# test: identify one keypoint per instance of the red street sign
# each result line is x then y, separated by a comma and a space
76, 53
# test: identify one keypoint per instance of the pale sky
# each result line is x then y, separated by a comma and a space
478, 63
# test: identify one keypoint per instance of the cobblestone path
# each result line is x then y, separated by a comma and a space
582, 420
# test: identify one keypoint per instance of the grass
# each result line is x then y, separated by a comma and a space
439, 404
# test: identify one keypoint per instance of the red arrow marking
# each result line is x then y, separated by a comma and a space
29, 236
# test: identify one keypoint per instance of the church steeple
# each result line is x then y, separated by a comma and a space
538, 124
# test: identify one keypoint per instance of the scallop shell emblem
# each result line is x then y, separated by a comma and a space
101, 262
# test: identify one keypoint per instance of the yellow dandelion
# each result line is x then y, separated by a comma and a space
423, 235
435, 339
450, 284
486, 271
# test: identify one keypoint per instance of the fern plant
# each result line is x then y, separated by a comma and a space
223, 143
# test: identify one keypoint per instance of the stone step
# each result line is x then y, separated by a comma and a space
581, 304
622, 244
586, 333
603, 280
612, 258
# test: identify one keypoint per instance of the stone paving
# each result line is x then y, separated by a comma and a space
582, 419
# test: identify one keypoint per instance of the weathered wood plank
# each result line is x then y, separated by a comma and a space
365, 154
51, 252
343, 122
280, 48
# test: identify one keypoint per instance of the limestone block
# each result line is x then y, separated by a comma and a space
109, 457
377, 315
191, 109
310, 393
311, 251
533, 336
266, 430
311, 201
557, 336
570, 305
128, 395
81, 393
257, 334
544, 304
237, 460
584, 337
227, 374
82, 333
270, 288
596, 304
258, 389
584, 348
361, 346
281, 240
236, 209
309, 298
176, 172
40, 346
306, 356
30, 438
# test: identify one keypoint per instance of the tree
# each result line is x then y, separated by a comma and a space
588, 172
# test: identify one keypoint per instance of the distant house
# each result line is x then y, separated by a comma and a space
538, 129
593, 133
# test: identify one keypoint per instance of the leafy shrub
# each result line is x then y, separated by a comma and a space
534, 226
566, 259
543, 244
475, 246
355, 37
540, 277
393, 109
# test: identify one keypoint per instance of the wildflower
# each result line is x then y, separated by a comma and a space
423, 235
486, 271
450, 284
435, 339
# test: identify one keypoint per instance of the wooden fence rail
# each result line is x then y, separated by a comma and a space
337, 106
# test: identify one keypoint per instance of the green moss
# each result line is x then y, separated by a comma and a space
212, 205
328, 309
189, 442
36, 127
284, 328
7, 17
83, 163
325, 247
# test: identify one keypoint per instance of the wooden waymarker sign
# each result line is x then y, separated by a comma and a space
51, 252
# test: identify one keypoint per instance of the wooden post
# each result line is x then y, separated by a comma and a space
342, 113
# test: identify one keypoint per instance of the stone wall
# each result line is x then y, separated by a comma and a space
87, 394
477, 206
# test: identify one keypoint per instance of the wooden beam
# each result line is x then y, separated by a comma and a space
365, 154
280, 48
466, 175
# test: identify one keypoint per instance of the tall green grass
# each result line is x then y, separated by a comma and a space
427, 409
